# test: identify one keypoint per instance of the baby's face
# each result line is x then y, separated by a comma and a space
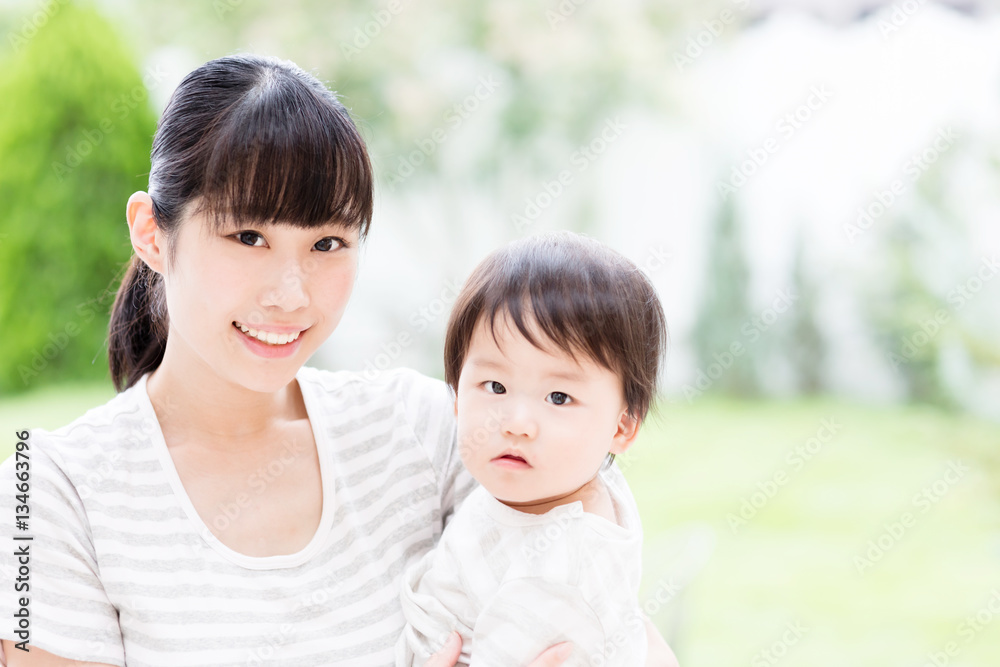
535, 425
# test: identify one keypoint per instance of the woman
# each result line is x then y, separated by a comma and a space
231, 506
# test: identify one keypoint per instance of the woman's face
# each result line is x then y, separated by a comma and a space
253, 302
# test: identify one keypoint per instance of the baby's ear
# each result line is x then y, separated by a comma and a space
628, 429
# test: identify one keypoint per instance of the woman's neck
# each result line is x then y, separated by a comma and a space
193, 400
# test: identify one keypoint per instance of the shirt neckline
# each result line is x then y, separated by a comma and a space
574, 510
281, 561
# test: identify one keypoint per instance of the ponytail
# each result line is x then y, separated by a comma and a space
137, 333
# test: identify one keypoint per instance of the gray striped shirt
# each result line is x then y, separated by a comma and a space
123, 569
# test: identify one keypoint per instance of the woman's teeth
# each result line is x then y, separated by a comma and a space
267, 337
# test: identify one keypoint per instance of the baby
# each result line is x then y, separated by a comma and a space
553, 350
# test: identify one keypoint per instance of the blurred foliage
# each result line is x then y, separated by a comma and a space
923, 300
725, 352
558, 71
484, 100
468, 108
75, 143
806, 348
740, 349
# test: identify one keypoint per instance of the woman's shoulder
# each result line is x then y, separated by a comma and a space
104, 433
401, 400
405, 387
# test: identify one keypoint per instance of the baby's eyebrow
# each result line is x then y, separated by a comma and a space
569, 376
484, 363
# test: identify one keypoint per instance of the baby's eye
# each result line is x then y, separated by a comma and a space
494, 387
559, 398
250, 238
329, 243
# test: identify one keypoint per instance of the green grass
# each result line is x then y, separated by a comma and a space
794, 560
48, 408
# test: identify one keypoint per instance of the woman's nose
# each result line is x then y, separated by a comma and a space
289, 289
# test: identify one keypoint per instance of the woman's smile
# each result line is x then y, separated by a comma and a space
259, 342
269, 337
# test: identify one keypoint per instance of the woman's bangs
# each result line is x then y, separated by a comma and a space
285, 157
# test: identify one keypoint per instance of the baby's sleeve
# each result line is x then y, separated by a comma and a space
52, 593
430, 409
527, 616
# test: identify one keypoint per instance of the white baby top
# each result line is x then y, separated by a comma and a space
513, 584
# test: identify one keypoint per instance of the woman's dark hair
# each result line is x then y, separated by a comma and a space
245, 138
581, 295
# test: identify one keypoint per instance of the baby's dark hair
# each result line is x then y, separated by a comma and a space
583, 296
245, 138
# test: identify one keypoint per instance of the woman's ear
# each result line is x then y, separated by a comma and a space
628, 429
147, 238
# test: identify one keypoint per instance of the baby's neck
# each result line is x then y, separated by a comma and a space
594, 495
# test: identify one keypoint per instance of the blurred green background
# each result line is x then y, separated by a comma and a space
811, 186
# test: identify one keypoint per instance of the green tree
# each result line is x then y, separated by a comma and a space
806, 348
75, 131
923, 250
725, 309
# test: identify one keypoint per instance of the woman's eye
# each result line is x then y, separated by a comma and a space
559, 398
494, 387
250, 238
329, 243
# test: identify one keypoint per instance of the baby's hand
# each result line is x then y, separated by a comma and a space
448, 655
